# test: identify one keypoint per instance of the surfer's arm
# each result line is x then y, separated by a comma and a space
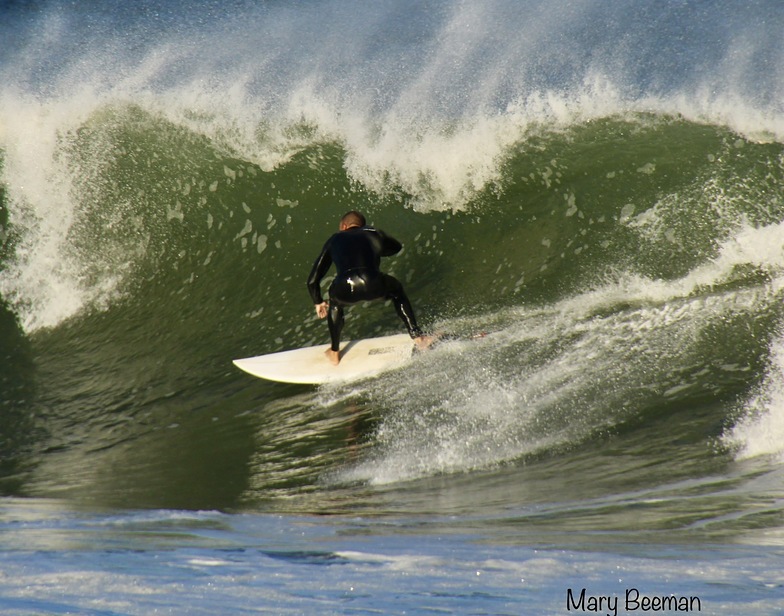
389, 245
317, 272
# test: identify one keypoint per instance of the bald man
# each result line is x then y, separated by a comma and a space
356, 250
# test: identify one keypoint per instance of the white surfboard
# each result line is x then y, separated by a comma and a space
310, 366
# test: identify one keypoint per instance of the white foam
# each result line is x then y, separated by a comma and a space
760, 431
42, 282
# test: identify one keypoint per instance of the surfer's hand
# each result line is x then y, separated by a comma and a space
321, 309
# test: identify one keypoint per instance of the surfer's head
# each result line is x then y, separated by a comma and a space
352, 219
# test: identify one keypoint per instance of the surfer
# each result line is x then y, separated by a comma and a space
356, 250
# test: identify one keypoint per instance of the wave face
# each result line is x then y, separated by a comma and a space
598, 186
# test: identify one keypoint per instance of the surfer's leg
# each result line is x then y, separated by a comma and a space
335, 322
339, 297
395, 292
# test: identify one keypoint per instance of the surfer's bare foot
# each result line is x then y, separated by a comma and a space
424, 342
333, 356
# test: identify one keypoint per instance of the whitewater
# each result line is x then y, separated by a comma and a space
597, 187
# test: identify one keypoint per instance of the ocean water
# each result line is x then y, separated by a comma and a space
598, 186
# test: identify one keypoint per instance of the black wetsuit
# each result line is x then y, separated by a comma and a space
357, 254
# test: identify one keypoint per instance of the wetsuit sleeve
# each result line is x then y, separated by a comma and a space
320, 268
389, 245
